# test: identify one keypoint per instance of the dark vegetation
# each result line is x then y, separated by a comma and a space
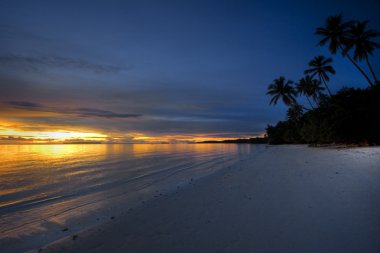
352, 115
256, 140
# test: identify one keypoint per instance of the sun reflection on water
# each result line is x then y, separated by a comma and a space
47, 180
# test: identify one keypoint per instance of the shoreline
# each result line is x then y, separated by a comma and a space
305, 200
128, 179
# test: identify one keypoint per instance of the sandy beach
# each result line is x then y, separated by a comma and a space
279, 199
286, 199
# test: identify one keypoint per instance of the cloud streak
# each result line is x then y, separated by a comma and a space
77, 112
89, 112
42, 62
23, 104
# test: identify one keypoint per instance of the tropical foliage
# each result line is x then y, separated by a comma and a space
350, 115
310, 88
282, 89
360, 39
346, 35
321, 67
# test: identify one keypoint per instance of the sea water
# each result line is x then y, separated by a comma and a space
52, 187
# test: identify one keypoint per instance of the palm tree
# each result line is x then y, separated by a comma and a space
360, 39
294, 112
282, 88
310, 87
335, 32
303, 88
320, 66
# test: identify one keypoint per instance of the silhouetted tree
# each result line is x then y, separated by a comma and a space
360, 39
335, 32
282, 88
295, 112
350, 115
310, 87
320, 66
346, 117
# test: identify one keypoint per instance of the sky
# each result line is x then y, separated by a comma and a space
157, 71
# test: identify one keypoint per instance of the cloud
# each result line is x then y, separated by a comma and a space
88, 112
42, 62
150, 108
23, 104
13, 138
77, 112
29, 139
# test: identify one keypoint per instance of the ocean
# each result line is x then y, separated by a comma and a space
44, 187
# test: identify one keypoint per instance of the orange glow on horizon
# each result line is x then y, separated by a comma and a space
12, 132
49, 136
16, 132
183, 138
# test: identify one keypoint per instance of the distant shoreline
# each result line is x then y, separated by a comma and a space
256, 140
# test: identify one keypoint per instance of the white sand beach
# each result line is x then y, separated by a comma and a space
286, 199
279, 199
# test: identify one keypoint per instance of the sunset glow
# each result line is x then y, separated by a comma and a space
21, 124
59, 136
9, 136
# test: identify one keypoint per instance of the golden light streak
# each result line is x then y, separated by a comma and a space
18, 132
181, 138
13, 131
53, 136
69, 135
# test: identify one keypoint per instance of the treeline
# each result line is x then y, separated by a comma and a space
352, 115
256, 140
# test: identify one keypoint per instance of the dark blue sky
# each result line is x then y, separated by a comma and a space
157, 68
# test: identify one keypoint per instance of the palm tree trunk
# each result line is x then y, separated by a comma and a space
310, 102
324, 82
318, 99
357, 66
370, 68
